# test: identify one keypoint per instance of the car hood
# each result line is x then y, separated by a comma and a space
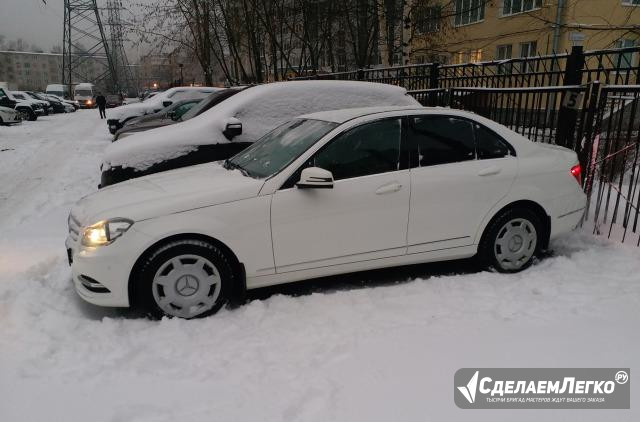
167, 193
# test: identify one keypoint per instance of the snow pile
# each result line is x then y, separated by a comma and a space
260, 109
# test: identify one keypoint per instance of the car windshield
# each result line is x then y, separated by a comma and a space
278, 148
84, 93
208, 102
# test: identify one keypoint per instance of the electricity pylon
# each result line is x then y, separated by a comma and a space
122, 77
86, 56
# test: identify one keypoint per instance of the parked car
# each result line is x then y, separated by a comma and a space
117, 117
233, 124
114, 100
67, 106
25, 96
143, 123
165, 117
8, 116
55, 106
324, 194
74, 103
27, 109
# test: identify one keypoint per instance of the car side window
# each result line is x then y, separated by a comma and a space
372, 148
442, 140
490, 145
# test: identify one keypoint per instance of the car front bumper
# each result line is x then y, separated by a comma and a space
101, 275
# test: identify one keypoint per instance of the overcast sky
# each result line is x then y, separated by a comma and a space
37, 23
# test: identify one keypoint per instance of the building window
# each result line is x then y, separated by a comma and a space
512, 7
458, 57
624, 60
528, 49
468, 11
503, 52
427, 19
475, 55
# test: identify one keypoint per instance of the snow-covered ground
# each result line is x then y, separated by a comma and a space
377, 346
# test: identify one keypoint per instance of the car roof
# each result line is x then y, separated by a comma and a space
344, 115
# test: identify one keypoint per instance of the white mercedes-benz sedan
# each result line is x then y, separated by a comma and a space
326, 193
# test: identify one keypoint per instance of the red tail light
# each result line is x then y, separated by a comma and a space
576, 172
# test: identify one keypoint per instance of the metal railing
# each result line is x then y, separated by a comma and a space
611, 66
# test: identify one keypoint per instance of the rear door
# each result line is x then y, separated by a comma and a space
459, 172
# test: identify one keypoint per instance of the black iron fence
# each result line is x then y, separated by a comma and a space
612, 66
587, 101
611, 184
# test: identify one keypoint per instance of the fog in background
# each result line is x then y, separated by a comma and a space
41, 24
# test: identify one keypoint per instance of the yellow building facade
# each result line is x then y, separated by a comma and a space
485, 30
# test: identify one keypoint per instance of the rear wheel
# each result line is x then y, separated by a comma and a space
185, 279
511, 240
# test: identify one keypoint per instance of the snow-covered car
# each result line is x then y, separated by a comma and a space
27, 96
27, 109
116, 117
55, 105
235, 123
324, 194
73, 103
165, 117
8, 116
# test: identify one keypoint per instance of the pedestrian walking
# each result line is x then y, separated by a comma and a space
101, 101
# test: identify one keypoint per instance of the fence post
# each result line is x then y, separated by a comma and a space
434, 72
568, 115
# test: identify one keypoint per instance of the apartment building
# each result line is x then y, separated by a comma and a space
30, 71
458, 31
24, 70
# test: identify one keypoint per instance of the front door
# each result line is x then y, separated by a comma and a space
363, 217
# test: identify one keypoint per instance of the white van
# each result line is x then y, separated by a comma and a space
84, 93
59, 90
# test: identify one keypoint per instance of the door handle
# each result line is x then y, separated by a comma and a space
390, 188
489, 171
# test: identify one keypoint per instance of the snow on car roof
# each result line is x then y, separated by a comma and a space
259, 108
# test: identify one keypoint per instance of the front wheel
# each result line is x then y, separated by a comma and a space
511, 241
185, 279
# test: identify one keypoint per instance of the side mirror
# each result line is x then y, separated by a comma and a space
315, 178
167, 103
233, 128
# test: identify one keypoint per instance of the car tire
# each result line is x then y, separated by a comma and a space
184, 279
511, 241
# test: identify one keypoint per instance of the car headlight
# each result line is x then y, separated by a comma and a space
105, 232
